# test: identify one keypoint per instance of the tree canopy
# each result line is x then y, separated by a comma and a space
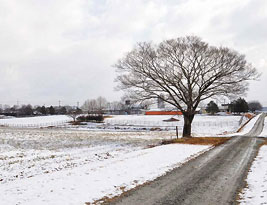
212, 107
254, 105
239, 105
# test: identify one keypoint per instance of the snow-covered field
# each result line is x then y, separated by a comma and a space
73, 167
249, 125
66, 166
41, 121
203, 125
264, 131
256, 192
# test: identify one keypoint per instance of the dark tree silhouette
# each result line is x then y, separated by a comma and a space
62, 111
254, 105
239, 105
43, 110
212, 108
52, 110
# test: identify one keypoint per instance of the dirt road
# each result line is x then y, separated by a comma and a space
213, 178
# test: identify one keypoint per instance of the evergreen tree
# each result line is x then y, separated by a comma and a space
239, 105
52, 110
43, 110
63, 111
212, 108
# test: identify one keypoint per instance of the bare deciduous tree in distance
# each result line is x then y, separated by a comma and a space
95, 105
185, 71
254, 105
74, 113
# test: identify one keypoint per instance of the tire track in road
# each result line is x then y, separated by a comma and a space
212, 178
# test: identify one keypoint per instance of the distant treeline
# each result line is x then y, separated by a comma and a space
28, 110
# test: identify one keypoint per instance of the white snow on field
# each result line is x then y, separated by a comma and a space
56, 167
264, 131
53, 120
256, 192
249, 126
203, 125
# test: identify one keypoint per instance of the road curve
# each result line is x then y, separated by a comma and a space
214, 177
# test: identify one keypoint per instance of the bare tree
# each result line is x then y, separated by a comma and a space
185, 71
115, 105
95, 105
254, 105
89, 105
101, 103
74, 113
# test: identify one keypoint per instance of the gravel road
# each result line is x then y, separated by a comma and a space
215, 177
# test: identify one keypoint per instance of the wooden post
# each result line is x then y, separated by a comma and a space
177, 132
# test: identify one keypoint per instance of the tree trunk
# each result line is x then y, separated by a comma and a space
188, 118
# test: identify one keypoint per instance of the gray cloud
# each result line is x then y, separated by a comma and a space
64, 50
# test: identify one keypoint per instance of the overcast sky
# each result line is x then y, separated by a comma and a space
64, 49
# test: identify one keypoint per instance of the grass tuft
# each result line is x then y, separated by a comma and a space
197, 141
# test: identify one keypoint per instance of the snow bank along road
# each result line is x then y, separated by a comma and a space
215, 177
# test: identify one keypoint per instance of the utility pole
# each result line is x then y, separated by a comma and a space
78, 104
59, 103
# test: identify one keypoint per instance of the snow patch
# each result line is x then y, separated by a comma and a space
256, 192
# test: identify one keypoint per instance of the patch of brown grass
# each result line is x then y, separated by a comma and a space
108, 116
249, 115
77, 123
198, 140
265, 142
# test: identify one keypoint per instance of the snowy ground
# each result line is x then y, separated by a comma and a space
203, 125
66, 166
73, 167
264, 131
41, 121
248, 126
256, 192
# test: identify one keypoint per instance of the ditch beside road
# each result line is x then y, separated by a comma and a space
214, 177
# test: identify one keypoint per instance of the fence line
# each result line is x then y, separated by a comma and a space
129, 123
33, 125
170, 124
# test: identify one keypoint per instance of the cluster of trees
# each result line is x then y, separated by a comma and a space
95, 105
100, 105
29, 110
237, 106
254, 106
51, 110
